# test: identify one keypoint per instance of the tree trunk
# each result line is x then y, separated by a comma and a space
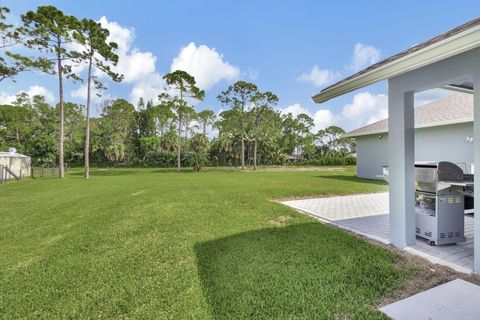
255, 154
179, 141
242, 153
61, 169
255, 144
205, 128
87, 123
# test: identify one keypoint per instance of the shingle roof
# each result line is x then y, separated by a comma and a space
457, 108
470, 24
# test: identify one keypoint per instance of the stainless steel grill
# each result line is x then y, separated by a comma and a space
440, 202
440, 189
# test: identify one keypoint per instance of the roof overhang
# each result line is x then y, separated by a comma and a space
451, 46
420, 126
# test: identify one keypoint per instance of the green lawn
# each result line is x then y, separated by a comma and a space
149, 243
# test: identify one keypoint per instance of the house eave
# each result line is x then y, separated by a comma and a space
431, 125
454, 45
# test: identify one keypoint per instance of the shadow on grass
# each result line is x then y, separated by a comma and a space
299, 271
348, 178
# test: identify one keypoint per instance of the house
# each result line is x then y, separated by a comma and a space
443, 132
18, 164
450, 61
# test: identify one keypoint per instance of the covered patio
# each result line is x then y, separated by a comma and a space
367, 215
450, 61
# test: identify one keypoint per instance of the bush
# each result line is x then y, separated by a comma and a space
330, 161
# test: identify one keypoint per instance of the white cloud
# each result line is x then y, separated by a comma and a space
41, 91
81, 93
295, 109
321, 119
319, 77
6, 98
148, 88
205, 64
363, 56
366, 108
132, 63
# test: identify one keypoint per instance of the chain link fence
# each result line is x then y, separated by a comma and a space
45, 171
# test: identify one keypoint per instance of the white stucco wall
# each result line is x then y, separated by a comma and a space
447, 143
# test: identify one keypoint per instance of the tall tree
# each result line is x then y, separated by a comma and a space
183, 84
229, 135
238, 97
146, 119
117, 130
163, 115
96, 52
51, 32
304, 123
263, 102
206, 118
74, 129
197, 156
9, 36
188, 118
18, 121
13, 63
330, 142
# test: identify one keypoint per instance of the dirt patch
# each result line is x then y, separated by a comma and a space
426, 275
280, 221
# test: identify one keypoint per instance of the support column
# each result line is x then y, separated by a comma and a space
401, 140
476, 157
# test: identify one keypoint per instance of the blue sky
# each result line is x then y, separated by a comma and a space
292, 48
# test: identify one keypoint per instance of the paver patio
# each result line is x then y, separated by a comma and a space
367, 215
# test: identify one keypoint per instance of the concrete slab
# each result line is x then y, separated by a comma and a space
360, 214
374, 227
343, 207
457, 299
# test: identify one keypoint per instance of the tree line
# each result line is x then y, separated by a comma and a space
164, 132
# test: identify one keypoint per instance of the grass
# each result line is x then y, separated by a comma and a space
155, 244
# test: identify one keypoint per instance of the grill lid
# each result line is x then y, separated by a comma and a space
448, 171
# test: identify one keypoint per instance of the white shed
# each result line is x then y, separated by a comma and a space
18, 163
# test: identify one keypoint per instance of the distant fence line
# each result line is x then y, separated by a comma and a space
45, 171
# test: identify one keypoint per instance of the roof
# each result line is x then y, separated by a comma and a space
457, 108
4, 154
455, 41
